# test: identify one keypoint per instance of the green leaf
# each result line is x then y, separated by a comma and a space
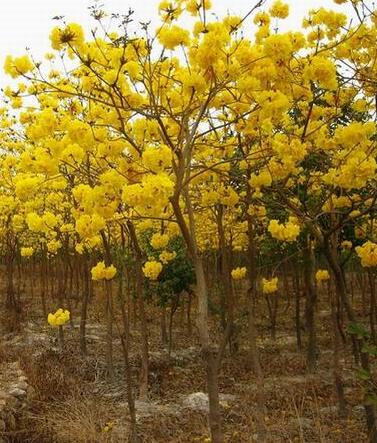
357, 329
363, 374
370, 350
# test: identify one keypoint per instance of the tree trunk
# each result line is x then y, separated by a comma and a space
84, 307
337, 367
109, 329
164, 333
310, 307
189, 234
372, 307
144, 370
226, 286
332, 257
126, 344
253, 357
297, 309
208, 355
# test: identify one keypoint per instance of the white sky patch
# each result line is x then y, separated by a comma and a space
27, 24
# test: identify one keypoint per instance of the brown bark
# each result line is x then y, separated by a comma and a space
362, 357
310, 307
211, 364
226, 286
372, 307
337, 367
253, 359
144, 370
296, 282
109, 312
84, 306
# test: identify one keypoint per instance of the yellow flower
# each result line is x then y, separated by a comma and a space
72, 34
288, 232
278, 46
238, 273
166, 256
27, 251
102, 272
152, 269
18, 223
59, 318
262, 179
49, 219
35, 222
79, 248
159, 241
110, 272
194, 6
368, 254
88, 226
26, 186
157, 159
279, 9
262, 19
18, 66
269, 286
322, 71
172, 36
322, 275
53, 246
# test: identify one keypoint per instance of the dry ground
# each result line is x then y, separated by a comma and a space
74, 401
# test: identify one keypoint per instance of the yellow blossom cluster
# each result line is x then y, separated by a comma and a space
269, 286
157, 158
102, 272
322, 275
152, 269
284, 232
368, 254
166, 256
18, 66
43, 223
59, 318
72, 35
172, 36
238, 273
159, 241
27, 251
279, 9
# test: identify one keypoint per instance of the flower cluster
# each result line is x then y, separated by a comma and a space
173, 36
166, 256
152, 269
72, 35
18, 66
284, 232
27, 251
269, 286
279, 9
159, 241
368, 254
322, 275
59, 318
238, 273
102, 272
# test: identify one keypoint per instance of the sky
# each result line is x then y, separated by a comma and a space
27, 24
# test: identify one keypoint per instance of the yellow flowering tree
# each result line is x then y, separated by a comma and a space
217, 134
